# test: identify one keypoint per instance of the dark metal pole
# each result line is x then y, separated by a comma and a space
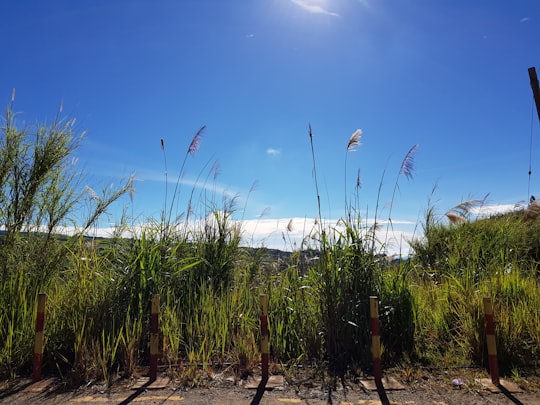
535, 89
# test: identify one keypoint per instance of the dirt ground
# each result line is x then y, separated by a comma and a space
418, 387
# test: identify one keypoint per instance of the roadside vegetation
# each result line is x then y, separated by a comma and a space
99, 290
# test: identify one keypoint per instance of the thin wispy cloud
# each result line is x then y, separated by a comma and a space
273, 152
158, 177
524, 19
310, 7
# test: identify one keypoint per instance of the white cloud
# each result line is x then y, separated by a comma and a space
524, 19
495, 209
295, 233
273, 152
311, 7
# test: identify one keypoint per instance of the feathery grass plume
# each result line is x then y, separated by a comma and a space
354, 141
93, 195
103, 202
192, 149
406, 169
454, 218
407, 166
196, 141
465, 208
290, 226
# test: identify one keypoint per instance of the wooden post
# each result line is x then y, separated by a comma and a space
154, 337
265, 346
38, 343
491, 344
375, 339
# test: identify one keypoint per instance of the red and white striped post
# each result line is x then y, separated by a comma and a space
491, 344
375, 339
38, 343
265, 345
154, 337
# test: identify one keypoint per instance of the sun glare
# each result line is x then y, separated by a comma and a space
316, 6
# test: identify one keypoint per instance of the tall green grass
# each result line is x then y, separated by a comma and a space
99, 290
350, 269
38, 194
458, 264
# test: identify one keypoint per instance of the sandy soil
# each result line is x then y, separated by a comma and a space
419, 387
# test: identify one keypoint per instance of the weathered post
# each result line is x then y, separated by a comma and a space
375, 339
38, 343
265, 346
154, 337
491, 344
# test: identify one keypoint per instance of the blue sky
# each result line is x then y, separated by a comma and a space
450, 76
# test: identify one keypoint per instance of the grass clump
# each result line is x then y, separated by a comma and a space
459, 264
38, 195
350, 270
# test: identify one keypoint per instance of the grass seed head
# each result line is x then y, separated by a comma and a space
92, 193
407, 166
354, 140
290, 226
196, 141
454, 218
